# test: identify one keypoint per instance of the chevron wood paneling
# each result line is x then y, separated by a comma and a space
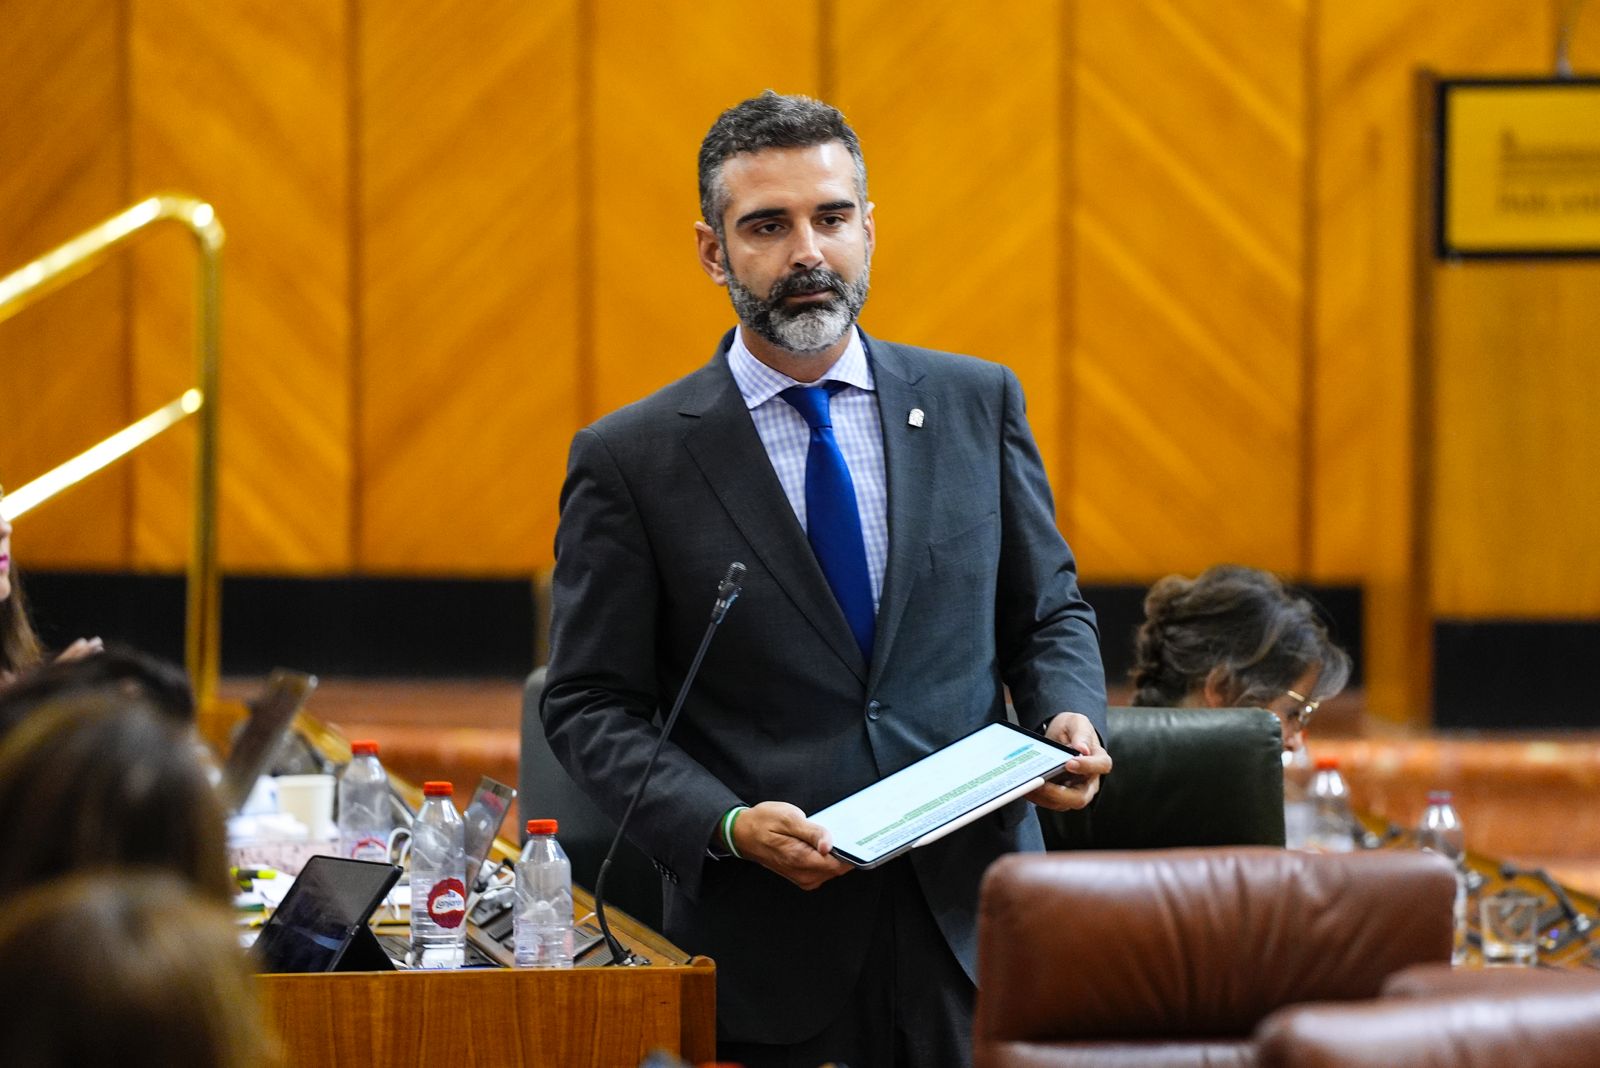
62, 384
966, 182
1186, 222
469, 287
245, 102
1367, 53
660, 77
458, 231
1364, 299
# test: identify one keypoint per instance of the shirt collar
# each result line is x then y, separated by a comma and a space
759, 383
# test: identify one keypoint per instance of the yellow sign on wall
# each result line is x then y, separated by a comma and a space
1518, 167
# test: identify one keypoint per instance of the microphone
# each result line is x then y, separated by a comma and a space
728, 591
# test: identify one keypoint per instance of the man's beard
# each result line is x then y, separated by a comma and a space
805, 328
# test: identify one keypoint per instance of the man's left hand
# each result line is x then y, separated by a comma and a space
1083, 773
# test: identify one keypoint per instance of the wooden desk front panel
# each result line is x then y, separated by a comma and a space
560, 1019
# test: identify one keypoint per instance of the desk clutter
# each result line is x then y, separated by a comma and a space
1504, 914
1560, 922
334, 834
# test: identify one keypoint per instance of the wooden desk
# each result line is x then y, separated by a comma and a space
567, 1018
493, 1017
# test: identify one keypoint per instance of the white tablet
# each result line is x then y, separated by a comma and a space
947, 789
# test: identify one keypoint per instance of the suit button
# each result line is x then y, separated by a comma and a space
874, 709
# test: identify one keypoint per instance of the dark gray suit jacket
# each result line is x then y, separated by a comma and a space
980, 593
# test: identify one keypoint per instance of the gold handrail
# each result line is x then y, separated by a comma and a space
77, 257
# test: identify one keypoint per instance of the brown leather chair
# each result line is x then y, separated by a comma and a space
1172, 958
1495, 1018
1429, 980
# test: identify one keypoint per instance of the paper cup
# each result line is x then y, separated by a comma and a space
308, 798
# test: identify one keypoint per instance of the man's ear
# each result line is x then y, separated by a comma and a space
709, 250
869, 223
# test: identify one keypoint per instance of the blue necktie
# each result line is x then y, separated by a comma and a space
833, 523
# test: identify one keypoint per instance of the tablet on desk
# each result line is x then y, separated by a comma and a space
945, 790
321, 926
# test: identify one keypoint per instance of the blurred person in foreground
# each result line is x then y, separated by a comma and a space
1235, 637
117, 670
127, 969
99, 780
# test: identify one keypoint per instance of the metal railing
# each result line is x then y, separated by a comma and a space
77, 257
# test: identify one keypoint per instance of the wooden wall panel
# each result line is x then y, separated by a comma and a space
468, 282
459, 231
1367, 55
1187, 228
63, 168
244, 103
1516, 513
660, 77
966, 182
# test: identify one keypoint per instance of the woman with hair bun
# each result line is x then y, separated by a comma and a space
1235, 637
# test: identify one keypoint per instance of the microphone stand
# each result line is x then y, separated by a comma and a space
728, 591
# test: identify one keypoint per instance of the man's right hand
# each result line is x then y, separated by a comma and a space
777, 836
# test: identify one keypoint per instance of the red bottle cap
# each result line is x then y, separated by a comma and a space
1327, 763
542, 826
364, 748
437, 789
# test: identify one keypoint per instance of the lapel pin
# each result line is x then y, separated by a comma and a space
915, 418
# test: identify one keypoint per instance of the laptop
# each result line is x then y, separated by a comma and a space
482, 820
271, 713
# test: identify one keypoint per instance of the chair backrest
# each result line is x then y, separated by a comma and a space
1174, 956
1545, 1025
1182, 777
546, 791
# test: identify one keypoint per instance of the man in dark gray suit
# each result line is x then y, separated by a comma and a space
904, 570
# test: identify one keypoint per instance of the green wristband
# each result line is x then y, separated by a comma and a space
728, 820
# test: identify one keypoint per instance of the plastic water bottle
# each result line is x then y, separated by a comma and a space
1297, 772
364, 820
543, 920
438, 881
1332, 823
1441, 832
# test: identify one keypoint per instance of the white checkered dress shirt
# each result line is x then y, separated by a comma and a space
856, 425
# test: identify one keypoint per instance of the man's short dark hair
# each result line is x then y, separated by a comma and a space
770, 120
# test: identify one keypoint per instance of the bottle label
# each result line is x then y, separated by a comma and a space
370, 847
447, 903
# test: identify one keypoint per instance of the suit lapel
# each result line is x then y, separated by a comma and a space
908, 469
729, 453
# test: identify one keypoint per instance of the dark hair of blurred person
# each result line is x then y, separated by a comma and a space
1233, 637
19, 646
99, 779
117, 669
126, 969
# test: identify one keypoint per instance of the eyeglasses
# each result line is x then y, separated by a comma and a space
1300, 716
